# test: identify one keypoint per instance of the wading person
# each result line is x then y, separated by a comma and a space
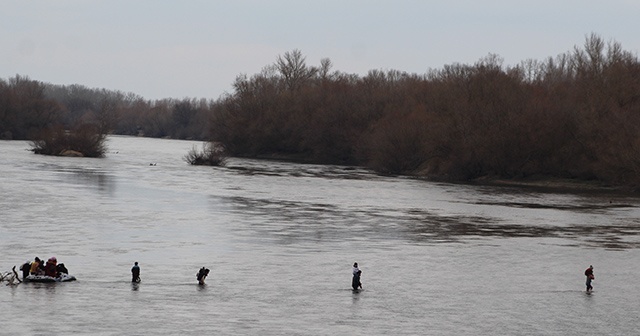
355, 282
135, 272
202, 274
589, 274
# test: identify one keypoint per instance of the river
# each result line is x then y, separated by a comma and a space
280, 239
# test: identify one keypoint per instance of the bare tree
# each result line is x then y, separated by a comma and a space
293, 68
325, 67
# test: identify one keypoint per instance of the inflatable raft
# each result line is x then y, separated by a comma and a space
45, 278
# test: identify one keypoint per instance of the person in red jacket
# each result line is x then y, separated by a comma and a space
589, 274
50, 268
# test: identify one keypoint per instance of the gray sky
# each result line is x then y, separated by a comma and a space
188, 48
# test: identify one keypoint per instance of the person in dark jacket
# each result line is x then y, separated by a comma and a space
25, 268
135, 272
41, 268
355, 282
202, 274
62, 269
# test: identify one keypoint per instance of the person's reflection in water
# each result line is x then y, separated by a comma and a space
135, 286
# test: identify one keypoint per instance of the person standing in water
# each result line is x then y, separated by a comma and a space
135, 272
589, 274
202, 274
355, 282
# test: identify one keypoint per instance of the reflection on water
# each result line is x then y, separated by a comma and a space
578, 207
280, 239
291, 222
89, 177
275, 168
450, 229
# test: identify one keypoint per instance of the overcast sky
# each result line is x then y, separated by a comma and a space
186, 48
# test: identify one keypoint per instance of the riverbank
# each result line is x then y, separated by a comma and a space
540, 183
555, 184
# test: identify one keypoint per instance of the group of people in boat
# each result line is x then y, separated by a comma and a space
39, 267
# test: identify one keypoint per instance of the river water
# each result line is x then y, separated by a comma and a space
280, 239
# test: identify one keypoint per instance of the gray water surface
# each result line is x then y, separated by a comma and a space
280, 238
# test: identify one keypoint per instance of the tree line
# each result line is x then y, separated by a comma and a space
29, 106
574, 115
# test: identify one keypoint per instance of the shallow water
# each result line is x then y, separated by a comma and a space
280, 238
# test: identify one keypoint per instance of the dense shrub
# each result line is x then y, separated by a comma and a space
210, 155
84, 139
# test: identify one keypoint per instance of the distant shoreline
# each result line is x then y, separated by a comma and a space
538, 183
555, 184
